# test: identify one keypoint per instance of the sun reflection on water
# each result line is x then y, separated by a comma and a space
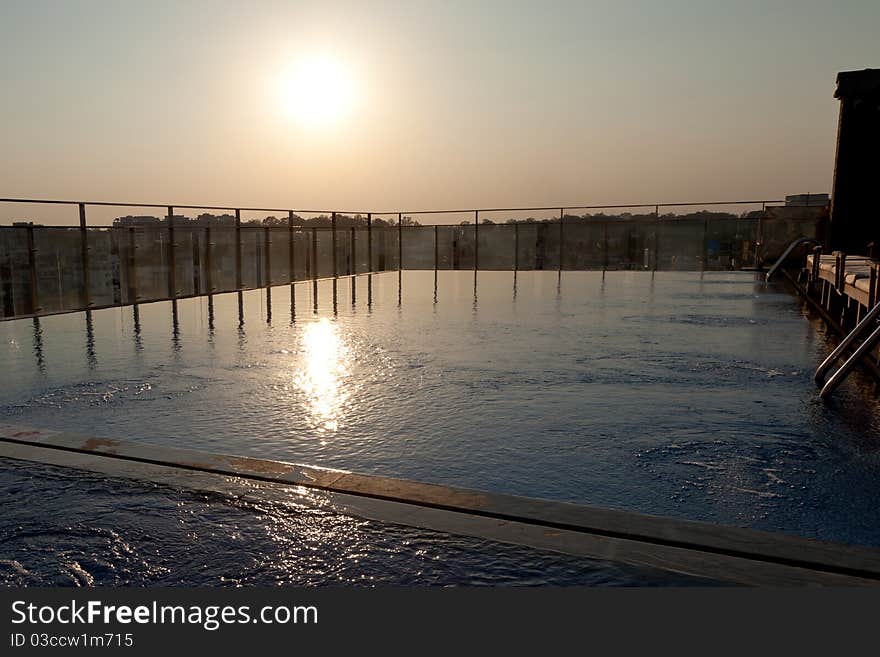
322, 377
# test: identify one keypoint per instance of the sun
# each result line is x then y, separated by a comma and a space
318, 90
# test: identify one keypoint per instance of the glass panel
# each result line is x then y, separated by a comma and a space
123, 243
392, 240
715, 251
15, 272
200, 260
222, 258
251, 256
151, 255
527, 241
385, 248
552, 245
361, 247
104, 289
463, 247
680, 245
618, 253
343, 249
324, 252
497, 244
279, 255
546, 245
301, 253
418, 247
779, 232
445, 246
746, 242
186, 255
59, 268
583, 244
644, 243
738, 240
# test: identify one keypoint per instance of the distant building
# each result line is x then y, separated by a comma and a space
804, 200
140, 220
208, 219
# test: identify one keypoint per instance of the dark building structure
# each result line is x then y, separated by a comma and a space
856, 186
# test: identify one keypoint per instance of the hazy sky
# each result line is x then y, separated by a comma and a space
453, 104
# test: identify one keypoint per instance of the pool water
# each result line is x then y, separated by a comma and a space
96, 531
677, 393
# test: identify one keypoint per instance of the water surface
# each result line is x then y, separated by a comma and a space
679, 393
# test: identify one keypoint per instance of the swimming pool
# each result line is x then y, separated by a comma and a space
677, 393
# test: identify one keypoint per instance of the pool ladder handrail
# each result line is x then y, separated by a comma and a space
843, 371
791, 247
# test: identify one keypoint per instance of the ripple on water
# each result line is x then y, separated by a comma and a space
574, 393
155, 535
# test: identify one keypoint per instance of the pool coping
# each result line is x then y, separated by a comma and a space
740, 555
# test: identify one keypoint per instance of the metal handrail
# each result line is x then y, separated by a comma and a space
656, 207
835, 355
843, 371
791, 247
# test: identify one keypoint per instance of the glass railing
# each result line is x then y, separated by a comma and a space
47, 269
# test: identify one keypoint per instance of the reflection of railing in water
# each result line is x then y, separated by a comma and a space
176, 342
45, 269
333, 302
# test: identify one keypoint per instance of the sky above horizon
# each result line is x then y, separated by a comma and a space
446, 104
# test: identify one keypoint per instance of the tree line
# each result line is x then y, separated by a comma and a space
360, 220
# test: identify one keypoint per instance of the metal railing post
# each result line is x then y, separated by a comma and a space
32, 265
116, 275
399, 258
516, 246
267, 257
290, 256
333, 242
172, 273
314, 262
196, 263
604, 245
705, 244
759, 237
84, 257
400, 241
238, 250
561, 221
476, 240
656, 236
209, 264
352, 262
370, 241
132, 266
436, 259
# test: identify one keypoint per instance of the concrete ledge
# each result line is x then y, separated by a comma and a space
702, 549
